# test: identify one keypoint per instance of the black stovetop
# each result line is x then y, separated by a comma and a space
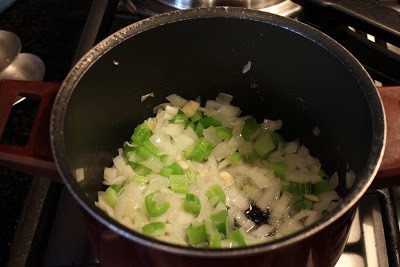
50, 29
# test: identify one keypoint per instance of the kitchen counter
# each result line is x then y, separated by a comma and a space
50, 29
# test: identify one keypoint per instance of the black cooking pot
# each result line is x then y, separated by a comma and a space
297, 74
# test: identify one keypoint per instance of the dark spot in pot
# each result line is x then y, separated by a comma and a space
257, 215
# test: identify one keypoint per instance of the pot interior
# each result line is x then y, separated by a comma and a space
296, 75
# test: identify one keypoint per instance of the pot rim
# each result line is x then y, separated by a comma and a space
319, 38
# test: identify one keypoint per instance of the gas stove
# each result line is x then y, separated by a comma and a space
52, 232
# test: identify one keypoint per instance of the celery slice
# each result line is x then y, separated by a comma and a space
235, 158
237, 236
196, 234
111, 196
264, 144
198, 115
215, 195
219, 220
210, 121
179, 183
141, 133
249, 128
154, 228
180, 118
321, 187
199, 151
153, 208
192, 204
279, 168
223, 133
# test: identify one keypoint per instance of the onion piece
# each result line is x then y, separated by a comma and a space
224, 98
303, 176
176, 100
79, 174
272, 125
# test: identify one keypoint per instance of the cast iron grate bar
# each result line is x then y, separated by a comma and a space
390, 225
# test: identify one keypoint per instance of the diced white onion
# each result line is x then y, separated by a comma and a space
190, 108
176, 100
79, 174
334, 180
281, 208
303, 176
325, 200
171, 110
262, 231
210, 135
272, 125
224, 98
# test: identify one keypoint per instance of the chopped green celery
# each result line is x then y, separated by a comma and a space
166, 171
142, 153
219, 220
249, 128
127, 150
146, 150
140, 179
199, 151
279, 142
302, 204
302, 189
191, 124
154, 228
323, 174
179, 183
191, 175
235, 158
164, 158
140, 169
180, 118
199, 129
196, 234
223, 133
264, 144
141, 133
215, 195
111, 196
118, 188
192, 204
210, 121
176, 169
209, 227
213, 236
279, 168
296, 188
285, 185
153, 208
149, 146
214, 241
237, 236
198, 115
253, 157
321, 187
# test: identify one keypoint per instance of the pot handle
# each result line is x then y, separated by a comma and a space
367, 15
35, 157
389, 170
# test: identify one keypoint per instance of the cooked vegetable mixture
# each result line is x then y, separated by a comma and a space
209, 177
